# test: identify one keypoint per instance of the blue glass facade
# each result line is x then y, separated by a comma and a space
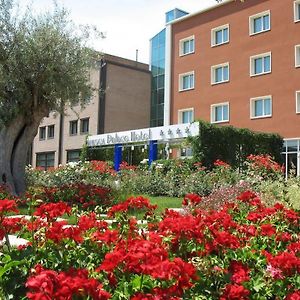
175, 14
157, 62
158, 44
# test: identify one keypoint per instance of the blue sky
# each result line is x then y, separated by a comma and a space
127, 24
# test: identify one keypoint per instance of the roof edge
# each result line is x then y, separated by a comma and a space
199, 12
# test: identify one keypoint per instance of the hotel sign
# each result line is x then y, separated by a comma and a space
163, 133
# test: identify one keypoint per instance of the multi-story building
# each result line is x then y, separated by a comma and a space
157, 64
122, 103
237, 63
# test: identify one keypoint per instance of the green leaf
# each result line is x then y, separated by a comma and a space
9, 266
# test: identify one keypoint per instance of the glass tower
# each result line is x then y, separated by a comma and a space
157, 63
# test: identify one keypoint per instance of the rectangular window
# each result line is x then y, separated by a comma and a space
187, 46
186, 81
260, 64
73, 156
84, 125
297, 56
297, 11
260, 22
45, 160
220, 73
42, 133
73, 127
220, 35
219, 112
261, 107
51, 132
186, 116
186, 152
298, 102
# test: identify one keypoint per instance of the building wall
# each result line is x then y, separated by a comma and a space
74, 142
282, 83
47, 145
127, 98
127, 106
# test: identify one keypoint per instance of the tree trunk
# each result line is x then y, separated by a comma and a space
19, 155
8, 135
15, 140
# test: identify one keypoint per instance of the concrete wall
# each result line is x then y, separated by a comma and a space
127, 99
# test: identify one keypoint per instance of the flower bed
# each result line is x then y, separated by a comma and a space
244, 250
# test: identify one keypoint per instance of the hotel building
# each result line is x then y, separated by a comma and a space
237, 63
121, 103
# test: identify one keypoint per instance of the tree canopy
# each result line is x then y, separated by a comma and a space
44, 64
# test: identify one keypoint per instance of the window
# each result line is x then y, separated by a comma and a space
298, 102
187, 46
260, 23
261, 107
45, 160
73, 155
297, 56
51, 132
42, 134
84, 125
186, 152
220, 73
220, 35
73, 127
186, 116
186, 81
219, 112
297, 11
260, 64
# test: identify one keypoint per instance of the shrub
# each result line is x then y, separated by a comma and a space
83, 195
233, 145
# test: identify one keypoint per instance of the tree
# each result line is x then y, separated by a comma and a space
44, 65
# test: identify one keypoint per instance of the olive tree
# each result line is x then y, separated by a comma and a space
44, 64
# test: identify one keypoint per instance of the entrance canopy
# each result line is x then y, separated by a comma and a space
163, 134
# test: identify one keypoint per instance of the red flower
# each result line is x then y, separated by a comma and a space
293, 296
132, 203
288, 263
246, 196
267, 230
235, 292
192, 199
8, 206
48, 284
240, 272
108, 237
221, 163
225, 239
52, 210
125, 166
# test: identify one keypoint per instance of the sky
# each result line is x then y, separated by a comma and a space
127, 24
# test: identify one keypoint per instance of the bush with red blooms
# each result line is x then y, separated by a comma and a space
244, 250
264, 166
124, 166
84, 195
221, 163
48, 284
103, 167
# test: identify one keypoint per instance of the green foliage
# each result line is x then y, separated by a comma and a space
44, 62
233, 145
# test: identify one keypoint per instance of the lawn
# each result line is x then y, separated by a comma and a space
164, 202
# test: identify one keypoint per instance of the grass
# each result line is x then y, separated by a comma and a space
164, 202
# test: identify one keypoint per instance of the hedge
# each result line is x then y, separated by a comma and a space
233, 145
